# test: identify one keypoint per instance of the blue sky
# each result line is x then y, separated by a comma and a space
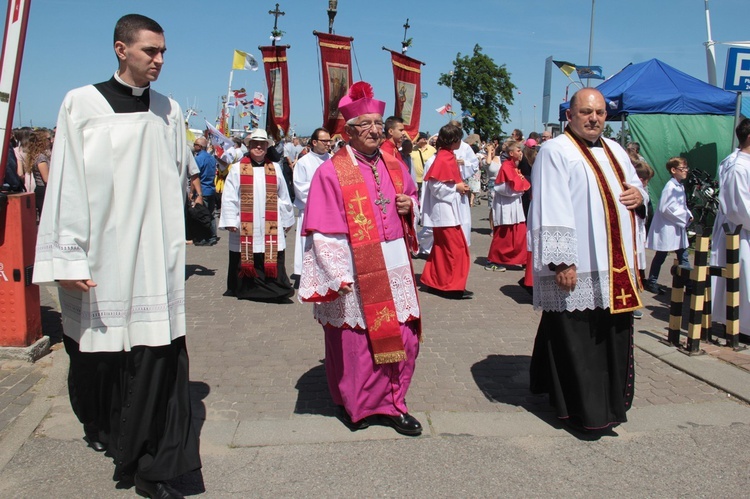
69, 44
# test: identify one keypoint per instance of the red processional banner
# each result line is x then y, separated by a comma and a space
277, 77
336, 61
407, 76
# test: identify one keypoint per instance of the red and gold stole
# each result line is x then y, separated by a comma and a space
247, 198
621, 281
369, 264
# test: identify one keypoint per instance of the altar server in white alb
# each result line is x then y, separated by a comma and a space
112, 237
304, 169
668, 230
734, 210
583, 238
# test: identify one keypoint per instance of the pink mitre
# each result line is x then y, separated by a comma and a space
359, 100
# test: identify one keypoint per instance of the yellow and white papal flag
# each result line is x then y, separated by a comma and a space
243, 60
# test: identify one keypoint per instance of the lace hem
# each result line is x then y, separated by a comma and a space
48, 250
591, 291
327, 263
116, 313
554, 245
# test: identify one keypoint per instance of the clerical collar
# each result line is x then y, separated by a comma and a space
589, 144
258, 163
371, 158
134, 91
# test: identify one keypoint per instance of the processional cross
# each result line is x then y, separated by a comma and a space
276, 13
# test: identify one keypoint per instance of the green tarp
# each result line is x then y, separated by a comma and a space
704, 140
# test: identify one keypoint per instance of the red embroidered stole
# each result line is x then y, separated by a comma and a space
247, 198
369, 263
623, 291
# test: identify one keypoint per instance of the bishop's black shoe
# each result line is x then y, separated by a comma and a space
155, 490
405, 424
345, 418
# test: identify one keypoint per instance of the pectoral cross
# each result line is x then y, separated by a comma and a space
382, 201
623, 297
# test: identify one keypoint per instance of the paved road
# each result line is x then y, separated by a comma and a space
266, 418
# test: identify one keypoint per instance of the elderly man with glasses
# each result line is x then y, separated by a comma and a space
360, 225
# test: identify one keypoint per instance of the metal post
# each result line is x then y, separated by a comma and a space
591, 39
732, 274
698, 278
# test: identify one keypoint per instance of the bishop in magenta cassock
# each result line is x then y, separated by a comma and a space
361, 211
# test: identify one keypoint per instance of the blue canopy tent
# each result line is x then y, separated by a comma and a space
670, 113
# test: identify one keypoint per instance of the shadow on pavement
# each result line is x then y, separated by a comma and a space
313, 396
199, 270
505, 379
516, 293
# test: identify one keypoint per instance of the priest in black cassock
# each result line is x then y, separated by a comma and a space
583, 236
112, 237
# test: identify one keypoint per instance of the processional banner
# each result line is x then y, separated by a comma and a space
336, 62
407, 75
277, 78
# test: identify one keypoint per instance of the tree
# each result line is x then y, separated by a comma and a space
483, 89
608, 132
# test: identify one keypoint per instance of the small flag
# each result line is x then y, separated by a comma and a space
565, 67
590, 72
467, 115
258, 99
218, 138
244, 114
445, 109
240, 94
243, 60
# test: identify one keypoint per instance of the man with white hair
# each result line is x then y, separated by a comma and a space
360, 216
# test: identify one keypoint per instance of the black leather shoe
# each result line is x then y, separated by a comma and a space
155, 490
94, 444
405, 424
345, 418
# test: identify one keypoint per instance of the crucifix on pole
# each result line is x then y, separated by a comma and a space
276, 34
405, 44
332, 6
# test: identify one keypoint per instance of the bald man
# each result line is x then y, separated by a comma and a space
582, 230
207, 166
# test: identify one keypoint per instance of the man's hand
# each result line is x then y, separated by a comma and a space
403, 204
631, 197
345, 289
566, 277
77, 285
462, 188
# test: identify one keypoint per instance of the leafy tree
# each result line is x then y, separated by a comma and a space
483, 89
608, 132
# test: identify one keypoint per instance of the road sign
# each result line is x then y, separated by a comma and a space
737, 75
